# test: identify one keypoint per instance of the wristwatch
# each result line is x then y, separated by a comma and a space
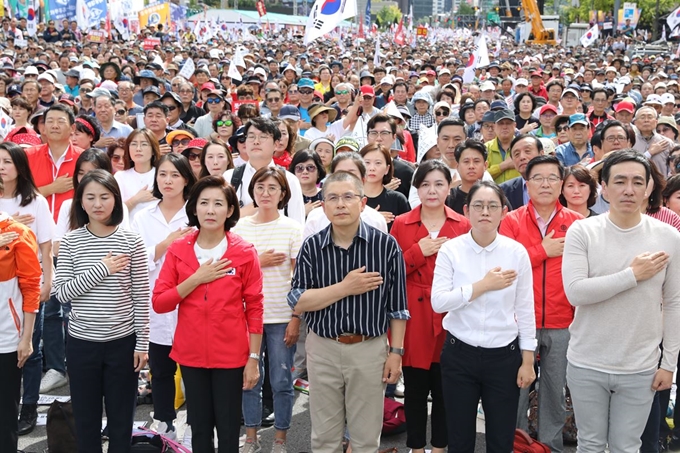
254, 356
399, 351
295, 315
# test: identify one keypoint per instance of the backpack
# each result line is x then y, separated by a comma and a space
61, 428
525, 444
146, 441
394, 418
237, 180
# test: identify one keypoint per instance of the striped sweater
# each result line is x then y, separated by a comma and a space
105, 307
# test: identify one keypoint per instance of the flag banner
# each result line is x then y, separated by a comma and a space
31, 19
62, 9
376, 55
673, 19
399, 37
421, 31
97, 36
326, 15
154, 15
188, 69
90, 12
367, 14
259, 6
478, 59
590, 36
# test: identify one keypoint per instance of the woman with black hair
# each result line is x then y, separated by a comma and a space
525, 104
103, 271
22, 200
159, 226
308, 168
87, 132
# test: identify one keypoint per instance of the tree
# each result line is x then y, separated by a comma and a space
647, 18
465, 10
388, 16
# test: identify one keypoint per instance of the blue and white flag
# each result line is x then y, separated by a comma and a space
590, 36
326, 15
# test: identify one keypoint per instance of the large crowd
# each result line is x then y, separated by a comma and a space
378, 225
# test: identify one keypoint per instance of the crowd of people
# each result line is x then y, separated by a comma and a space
330, 218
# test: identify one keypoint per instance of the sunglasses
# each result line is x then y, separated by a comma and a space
273, 99
121, 112
172, 107
213, 101
677, 106
115, 158
306, 91
292, 91
221, 123
194, 156
367, 97
442, 113
342, 92
562, 128
301, 168
182, 141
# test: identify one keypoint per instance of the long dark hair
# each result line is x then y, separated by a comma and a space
79, 217
96, 157
183, 166
25, 187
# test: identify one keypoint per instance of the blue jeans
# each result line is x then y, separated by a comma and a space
280, 365
55, 324
32, 370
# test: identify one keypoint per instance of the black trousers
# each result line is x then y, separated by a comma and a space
10, 392
163, 370
418, 384
102, 369
470, 373
214, 401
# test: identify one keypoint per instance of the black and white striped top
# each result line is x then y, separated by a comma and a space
321, 263
105, 307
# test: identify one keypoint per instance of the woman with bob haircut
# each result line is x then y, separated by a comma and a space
159, 226
142, 151
277, 239
102, 270
309, 170
420, 234
579, 191
213, 278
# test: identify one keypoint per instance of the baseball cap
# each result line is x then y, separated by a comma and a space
667, 98
13, 90
547, 108
305, 83
31, 70
489, 117
571, 91
208, 86
289, 112
152, 89
505, 114
48, 77
347, 142
367, 90
625, 106
522, 82
653, 99
498, 104
486, 86
578, 118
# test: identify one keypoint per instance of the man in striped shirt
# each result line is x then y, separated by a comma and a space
350, 280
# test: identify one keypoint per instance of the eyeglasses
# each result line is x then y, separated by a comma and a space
562, 128
121, 112
342, 92
305, 91
176, 84
260, 138
479, 207
616, 138
552, 179
368, 97
85, 90
221, 123
300, 168
442, 113
116, 158
383, 134
183, 142
194, 156
677, 106
269, 190
186, 91
213, 101
273, 99
292, 91
347, 198
172, 107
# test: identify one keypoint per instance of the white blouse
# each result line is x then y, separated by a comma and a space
131, 182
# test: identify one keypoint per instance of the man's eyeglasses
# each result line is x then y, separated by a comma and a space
182, 141
306, 91
221, 123
186, 91
552, 179
121, 112
383, 134
301, 168
172, 107
616, 138
213, 101
273, 99
85, 90
292, 91
347, 198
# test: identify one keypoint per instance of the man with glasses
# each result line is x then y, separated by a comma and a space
306, 92
597, 112
174, 105
541, 226
343, 98
349, 306
578, 150
382, 130
191, 112
650, 143
125, 93
261, 136
274, 101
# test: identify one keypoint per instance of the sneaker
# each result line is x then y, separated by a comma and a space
52, 380
186, 438
399, 391
27, 419
279, 446
251, 446
167, 432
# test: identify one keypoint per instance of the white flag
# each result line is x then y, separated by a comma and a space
32, 23
376, 56
590, 36
236, 60
187, 69
82, 15
673, 19
326, 15
479, 58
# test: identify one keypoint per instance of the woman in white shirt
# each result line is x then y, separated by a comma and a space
277, 240
483, 281
142, 151
22, 200
159, 226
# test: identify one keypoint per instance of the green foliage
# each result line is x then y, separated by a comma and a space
582, 13
388, 15
465, 9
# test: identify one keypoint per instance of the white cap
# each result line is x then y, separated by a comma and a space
386, 80
260, 71
31, 70
487, 85
87, 74
653, 99
522, 81
47, 76
625, 80
659, 85
667, 98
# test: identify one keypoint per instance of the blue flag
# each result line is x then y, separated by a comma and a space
62, 9
367, 15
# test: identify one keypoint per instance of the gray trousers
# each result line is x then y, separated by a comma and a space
552, 348
610, 409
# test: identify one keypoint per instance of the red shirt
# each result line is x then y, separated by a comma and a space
541, 91
45, 171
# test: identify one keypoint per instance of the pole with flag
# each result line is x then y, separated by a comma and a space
478, 59
590, 36
376, 56
673, 19
326, 15
399, 37
367, 15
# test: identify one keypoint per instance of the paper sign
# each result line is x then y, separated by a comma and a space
97, 36
46, 400
20, 42
151, 43
237, 104
188, 69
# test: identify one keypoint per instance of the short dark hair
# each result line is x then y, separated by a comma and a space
79, 217
428, 167
94, 132
614, 123
544, 159
596, 139
183, 166
263, 125
452, 122
62, 108
491, 185
20, 101
599, 90
213, 182
280, 177
304, 156
621, 156
521, 96
672, 186
386, 155
382, 118
582, 175
354, 157
539, 144
470, 143
157, 105
25, 184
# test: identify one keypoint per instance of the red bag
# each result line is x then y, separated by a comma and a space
394, 418
525, 444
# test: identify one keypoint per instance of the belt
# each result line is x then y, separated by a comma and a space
351, 339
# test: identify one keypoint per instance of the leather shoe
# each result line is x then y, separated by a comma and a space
27, 419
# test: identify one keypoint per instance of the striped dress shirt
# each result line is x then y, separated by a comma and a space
321, 263
105, 307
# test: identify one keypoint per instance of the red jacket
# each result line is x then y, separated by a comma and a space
424, 333
553, 310
215, 320
43, 169
542, 91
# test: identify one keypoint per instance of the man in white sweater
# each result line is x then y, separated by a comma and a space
620, 271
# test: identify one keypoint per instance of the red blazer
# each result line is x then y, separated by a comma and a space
43, 169
425, 336
215, 320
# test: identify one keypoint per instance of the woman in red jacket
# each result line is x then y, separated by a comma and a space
420, 233
214, 277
